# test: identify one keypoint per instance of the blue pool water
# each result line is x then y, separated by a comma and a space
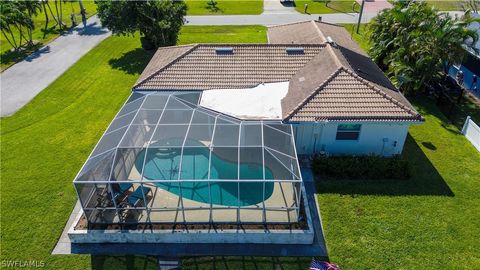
164, 164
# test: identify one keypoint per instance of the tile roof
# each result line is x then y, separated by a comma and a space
344, 96
344, 54
202, 68
162, 58
337, 81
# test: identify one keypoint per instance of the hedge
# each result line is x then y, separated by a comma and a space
361, 167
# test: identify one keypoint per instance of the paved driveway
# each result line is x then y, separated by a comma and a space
277, 7
24, 80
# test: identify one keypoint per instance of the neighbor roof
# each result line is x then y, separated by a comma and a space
327, 80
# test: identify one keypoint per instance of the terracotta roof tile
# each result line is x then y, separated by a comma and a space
202, 68
346, 54
162, 58
337, 82
346, 97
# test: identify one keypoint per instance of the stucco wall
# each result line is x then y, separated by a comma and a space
375, 138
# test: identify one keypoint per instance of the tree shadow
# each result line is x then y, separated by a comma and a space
425, 180
11, 57
132, 62
38, 53
213, 8
51, 30
92, 29
429, 145
247, 262
101, 262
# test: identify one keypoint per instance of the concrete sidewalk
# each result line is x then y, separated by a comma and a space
24, 80
275, 18
278, 17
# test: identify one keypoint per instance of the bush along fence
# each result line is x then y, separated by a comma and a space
361, 167
472, 132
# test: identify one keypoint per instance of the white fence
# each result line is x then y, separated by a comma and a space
472, 132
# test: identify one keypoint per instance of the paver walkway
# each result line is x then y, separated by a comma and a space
24, 80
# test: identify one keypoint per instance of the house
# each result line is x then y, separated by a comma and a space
212, 132
311, 75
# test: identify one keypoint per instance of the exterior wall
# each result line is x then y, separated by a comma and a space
193, 236
384, 139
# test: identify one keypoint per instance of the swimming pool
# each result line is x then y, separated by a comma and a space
164, 164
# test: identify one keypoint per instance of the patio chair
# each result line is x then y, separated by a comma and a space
119, 190
135, 198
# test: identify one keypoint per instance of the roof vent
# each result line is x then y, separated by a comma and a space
295, 50
330, 41
224, 50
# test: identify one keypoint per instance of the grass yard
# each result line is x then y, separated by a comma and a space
46, 142
40, 35
442, 5
445, 5
361, 37
427, 222
319, 7
223, 34
224, 7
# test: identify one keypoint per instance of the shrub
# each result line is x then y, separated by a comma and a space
361, 167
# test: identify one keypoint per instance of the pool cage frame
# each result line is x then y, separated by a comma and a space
98, 195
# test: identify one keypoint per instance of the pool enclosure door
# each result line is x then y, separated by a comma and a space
308, 138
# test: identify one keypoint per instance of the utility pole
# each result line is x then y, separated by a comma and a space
360, 16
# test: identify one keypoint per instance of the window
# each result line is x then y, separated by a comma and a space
348, 132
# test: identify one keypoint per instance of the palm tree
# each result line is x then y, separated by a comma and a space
13, 16
415, 44
32, 8
7, 9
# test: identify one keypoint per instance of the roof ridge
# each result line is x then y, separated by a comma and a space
320, 33
260, 44
292, 23
329, 48
309, 97
169, 64
379, 91
176, 46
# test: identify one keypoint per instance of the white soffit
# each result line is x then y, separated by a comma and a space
260, 102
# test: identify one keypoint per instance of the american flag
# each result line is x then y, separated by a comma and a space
318, 265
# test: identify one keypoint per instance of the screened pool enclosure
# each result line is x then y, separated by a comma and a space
165, 159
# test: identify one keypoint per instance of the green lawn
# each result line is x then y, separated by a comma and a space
319, 7
426, 222
361, 37
445, 5
40, 35
223, 34
224, 7
46, 142
442, 5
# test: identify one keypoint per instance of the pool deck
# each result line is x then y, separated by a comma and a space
317, 248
